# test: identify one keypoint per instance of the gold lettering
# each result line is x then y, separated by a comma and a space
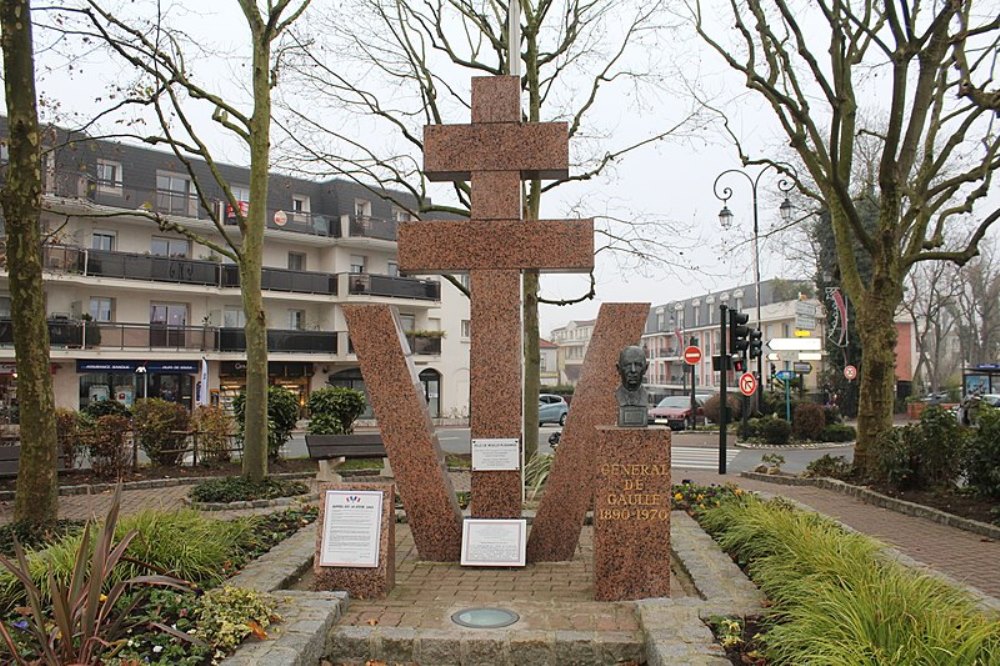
633, 484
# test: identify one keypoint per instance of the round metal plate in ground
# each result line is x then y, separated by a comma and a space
485, 618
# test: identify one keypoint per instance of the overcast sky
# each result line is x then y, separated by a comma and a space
672, 180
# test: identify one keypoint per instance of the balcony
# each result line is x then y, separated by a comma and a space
280, 279
420, 344
78, 334
363, 226
397, 287
312, 342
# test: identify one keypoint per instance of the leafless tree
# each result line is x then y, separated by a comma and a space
976, 308
836, 71
932, 290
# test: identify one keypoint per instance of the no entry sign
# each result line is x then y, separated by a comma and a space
748, 384
850, 373
692, 355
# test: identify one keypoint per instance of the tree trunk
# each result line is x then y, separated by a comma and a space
532, 361
877, 332
37, 495
255, 417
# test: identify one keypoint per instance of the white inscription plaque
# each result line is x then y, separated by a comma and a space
352, 525
493, 542
496, 455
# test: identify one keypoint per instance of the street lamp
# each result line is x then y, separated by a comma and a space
726, 220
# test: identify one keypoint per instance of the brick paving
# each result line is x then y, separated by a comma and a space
966, 557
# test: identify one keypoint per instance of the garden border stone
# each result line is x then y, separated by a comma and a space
291, 500
884, 501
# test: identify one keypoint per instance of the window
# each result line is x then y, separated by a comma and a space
297, 320
233, 317
358, 263
408, 322
400, 215
102, 308
362, 208
103, 240
163, 246
109, 177
4, 307
174, 195
392, 270
465, 280
296, 261
466, 328
242, 195
166, 324
300, 205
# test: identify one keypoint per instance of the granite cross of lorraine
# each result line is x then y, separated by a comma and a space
496, 152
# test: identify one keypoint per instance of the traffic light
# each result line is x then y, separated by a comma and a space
738, 331
756, 344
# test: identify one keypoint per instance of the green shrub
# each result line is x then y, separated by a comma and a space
110, 453
68, 426
981, 458
333, 410
834, 467
282, 414
774, 430
239, 489
713, 413
831, 415
808, 420
99, 408
215, 427
161, 429
837, 600
941, 445
227, 615
838, 432
536, 472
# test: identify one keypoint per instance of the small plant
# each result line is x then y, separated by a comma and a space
728, 630
981, 458
695, 498
808, 420
282, 414
161, 429
110, 454
239, 489
99, 408
68, 427
227, 615
834, 467
536, 472
214, 427
774, 430
333, 410
838, 432
774, 461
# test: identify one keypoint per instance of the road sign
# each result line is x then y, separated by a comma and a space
850, 373
784, 375
280, 218
802, 333
804, 368
748, 384
692, 355
795, 344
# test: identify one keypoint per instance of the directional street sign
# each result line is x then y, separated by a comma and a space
795, 344
804, 368
692, 355
784, 375
748, 384
850, 373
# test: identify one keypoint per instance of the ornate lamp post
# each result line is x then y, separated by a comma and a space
726, 220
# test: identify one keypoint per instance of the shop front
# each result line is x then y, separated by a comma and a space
292, 375
128, 381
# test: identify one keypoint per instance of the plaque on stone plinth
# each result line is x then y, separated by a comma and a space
493, 542
496, 454
633, 416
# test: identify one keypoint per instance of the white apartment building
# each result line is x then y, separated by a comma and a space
573, 339
134, 310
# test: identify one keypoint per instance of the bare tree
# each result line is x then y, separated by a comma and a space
400, 65
36, 500
929, 301
885, 70
976, 307
167, 86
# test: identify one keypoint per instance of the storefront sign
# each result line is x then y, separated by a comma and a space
163, 367
352, 522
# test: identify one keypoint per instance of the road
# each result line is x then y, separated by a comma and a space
689, 450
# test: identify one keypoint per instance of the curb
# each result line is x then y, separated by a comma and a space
251, 504
795, 447
884, 501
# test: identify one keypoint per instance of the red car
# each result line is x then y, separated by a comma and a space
675, 411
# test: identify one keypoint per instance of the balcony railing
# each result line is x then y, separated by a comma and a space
74, 185
422, 345
363, 226
280, 279
398, 287
316, 342
79, 334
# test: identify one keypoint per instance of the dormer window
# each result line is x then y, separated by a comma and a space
109, 177
362, 208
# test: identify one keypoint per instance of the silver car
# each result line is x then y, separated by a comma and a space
552, 409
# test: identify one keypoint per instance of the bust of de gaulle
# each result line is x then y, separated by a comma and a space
631, 395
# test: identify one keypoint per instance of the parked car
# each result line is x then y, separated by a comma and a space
675, 411
552, 409
966, 412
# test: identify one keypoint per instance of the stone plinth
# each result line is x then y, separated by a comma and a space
360, 582
632, 514
569, 490
408, 435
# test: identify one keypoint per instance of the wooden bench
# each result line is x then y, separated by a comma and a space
10, 460
338, 448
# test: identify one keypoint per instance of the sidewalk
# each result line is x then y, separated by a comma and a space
966, 557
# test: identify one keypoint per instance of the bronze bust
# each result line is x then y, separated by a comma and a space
631, 395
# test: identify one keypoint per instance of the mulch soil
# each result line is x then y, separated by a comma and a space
966, 505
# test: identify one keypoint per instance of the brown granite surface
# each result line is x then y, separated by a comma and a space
361, 582
496, 99
535, 150
632, 514
496, 195
407, 433
495, 385
570, 487
445, 246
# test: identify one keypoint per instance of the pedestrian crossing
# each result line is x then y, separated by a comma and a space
689, 457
